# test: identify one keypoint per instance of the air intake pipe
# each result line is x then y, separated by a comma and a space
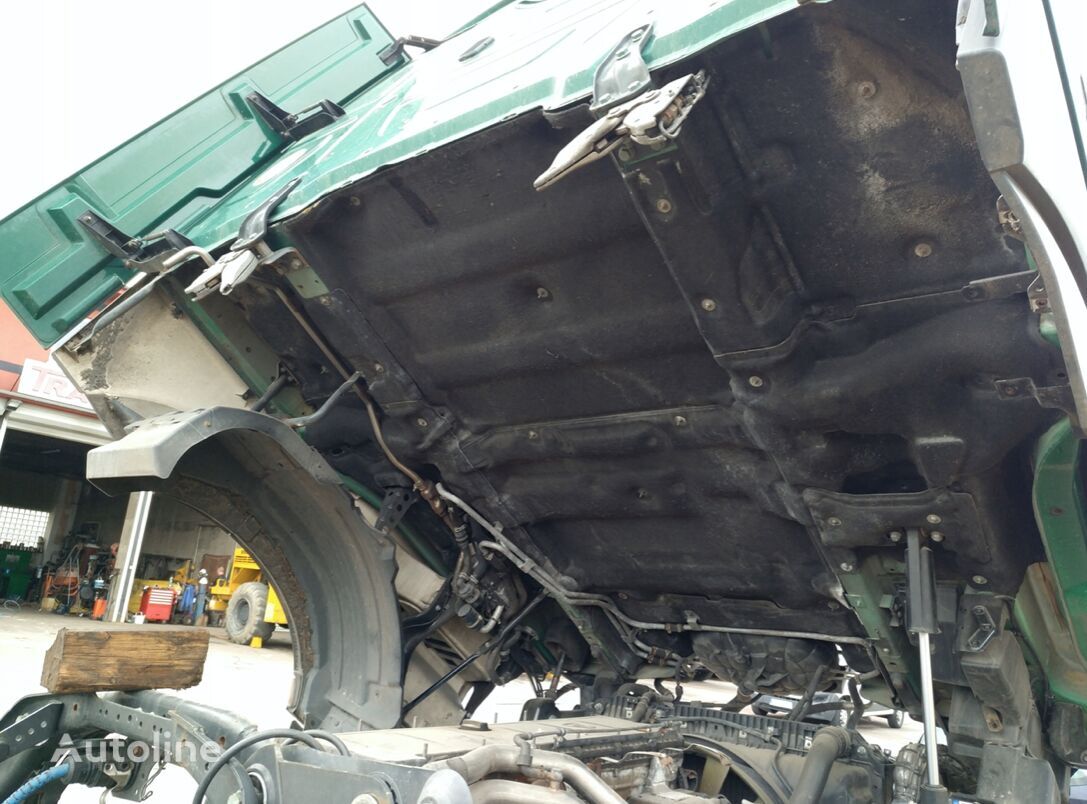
830, 743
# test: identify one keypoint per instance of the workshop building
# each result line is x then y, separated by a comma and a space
59, 535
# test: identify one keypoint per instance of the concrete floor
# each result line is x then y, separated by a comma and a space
255, 684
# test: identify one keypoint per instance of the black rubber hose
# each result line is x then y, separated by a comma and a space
483, 649
309, 738
830, 743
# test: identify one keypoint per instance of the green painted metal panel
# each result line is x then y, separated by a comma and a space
1060, 509
201, 170
174, 173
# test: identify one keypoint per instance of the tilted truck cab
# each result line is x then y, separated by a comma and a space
738, 340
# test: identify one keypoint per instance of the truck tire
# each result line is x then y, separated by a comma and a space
245, 613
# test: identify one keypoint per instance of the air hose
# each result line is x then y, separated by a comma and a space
55, 773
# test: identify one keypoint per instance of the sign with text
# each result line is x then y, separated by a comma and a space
44, 380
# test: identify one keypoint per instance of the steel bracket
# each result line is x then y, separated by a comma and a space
294, 126
141, 254
623, 74
985, 631
31, 730
393, 508
999, 287
1036, 294
393, 53
1052, 396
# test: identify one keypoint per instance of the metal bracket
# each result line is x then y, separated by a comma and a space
999, 287
254, 227
31, 730
394, 51
1052, 396
139, 253
985, 631
393, 508
294, 126
1036, 294
992, 19
623, 74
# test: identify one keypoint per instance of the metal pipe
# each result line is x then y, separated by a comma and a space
829, 744
507, 791
273, 388
928, 705
482, 762
504, 545
186, 254
371, 411
321, 412
128, 554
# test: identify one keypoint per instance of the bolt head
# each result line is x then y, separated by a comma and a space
356, 201
421, 422
709, 305
755, 381
664, 206
866, 89
933, 519
937, 536
895, 536
533, 435
834, 521
543, 294
922, 249
980, 580
680, 421
624, 154
845, 566
378, 368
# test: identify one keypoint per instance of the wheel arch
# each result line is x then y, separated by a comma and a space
257, 479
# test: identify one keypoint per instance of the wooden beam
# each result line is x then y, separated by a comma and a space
95, 660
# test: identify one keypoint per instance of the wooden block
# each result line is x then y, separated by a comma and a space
125, 659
